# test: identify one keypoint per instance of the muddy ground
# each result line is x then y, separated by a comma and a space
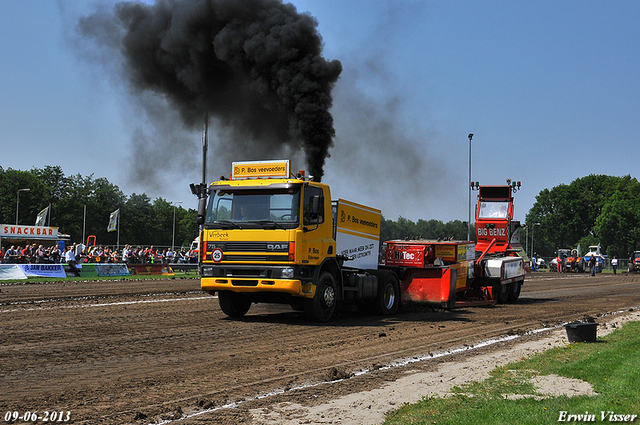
142, 352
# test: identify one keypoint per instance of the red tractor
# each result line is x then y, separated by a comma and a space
568, 260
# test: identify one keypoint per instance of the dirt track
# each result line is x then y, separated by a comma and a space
145, 351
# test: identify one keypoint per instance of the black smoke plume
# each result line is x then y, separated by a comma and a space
255, 66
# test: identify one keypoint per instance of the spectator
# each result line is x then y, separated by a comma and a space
52, 254
40, 254
151, 254
11, 255
126, 254
70, 258
142, 255
592, 265
19, 254
25, 254
614, 264
80, 251
191, 256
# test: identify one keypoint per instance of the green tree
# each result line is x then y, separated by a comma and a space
619, 224
11, 181
591, 209
136, 219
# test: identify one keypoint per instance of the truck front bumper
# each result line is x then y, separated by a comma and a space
247, 285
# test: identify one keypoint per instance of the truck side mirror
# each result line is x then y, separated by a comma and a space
202, 210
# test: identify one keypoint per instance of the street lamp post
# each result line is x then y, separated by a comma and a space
469, 187
173, 238
18, 202
533, 231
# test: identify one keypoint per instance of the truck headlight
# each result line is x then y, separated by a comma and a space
206, 271
287, 273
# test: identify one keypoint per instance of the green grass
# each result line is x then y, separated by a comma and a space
610, 366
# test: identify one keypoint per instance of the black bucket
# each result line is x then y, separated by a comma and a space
581, 332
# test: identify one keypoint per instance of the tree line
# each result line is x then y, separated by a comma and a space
404, 228
142, 221
592, 210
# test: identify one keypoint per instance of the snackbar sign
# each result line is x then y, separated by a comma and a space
260, 169
10, 231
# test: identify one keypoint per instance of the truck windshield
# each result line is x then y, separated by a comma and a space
260, 208
493, 209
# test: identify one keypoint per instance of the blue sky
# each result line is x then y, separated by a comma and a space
549, 89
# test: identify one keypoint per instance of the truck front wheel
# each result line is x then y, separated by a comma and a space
323, 303
233, 304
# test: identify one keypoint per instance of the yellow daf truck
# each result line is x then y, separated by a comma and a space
269, 236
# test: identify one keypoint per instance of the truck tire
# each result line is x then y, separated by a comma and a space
388, 300
502, 293
581, 266
321, 307
514, 291
233, 304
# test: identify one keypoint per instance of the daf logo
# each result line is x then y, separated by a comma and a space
277, 247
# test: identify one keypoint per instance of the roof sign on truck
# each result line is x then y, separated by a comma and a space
260, 169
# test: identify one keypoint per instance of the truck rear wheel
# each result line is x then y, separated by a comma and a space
388, 300
233, 304
323, 303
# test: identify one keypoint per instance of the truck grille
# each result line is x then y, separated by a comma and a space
245, 246
256, 247
252, 258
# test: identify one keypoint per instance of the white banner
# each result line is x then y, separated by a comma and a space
11, 271
112, 270
43, 270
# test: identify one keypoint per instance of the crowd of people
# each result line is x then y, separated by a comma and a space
30, 254
40, 254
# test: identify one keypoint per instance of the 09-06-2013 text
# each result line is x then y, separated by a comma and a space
35, 416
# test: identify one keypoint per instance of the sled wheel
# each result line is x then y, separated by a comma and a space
502, 293
514, 291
